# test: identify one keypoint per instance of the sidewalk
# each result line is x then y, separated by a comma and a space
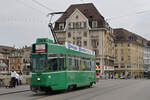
20, 88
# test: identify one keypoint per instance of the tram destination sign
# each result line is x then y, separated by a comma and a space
40, 48
78, 48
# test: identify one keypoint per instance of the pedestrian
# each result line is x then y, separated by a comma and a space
17, 79
13, 78
97, 76
20, 79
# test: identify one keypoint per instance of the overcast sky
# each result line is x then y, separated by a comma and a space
22, 21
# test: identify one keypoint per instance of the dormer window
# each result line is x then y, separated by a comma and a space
70, 25
85, 10
84, 24
61, 26
94, 24
77, 17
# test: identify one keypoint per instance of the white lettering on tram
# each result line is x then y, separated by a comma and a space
80, 49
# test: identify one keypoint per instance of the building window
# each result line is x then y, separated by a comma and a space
79, 43
121, 44
84, 24
115, 45
116, 58
69, 25
129, 51
94, 24
77, 17
121, 51
80, 25
116, 52
116, 66
85, 34
122, 58
122, 66
95, 43
128, 58
69, 35
85, 43
129, 66
77, 25
61, 26
74, 25
96, 52
128, 44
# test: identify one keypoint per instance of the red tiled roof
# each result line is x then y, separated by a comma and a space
88, 9
125, 35
121, 34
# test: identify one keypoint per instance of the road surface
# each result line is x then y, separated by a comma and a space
103, 90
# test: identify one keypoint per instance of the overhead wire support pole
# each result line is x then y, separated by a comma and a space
50, 25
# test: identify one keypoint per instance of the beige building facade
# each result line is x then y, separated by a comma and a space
84, 26
16, 60
129, 50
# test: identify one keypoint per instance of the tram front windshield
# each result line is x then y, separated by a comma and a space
39, 63
46, 63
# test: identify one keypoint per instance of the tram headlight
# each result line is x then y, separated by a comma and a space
38, 79
49, 77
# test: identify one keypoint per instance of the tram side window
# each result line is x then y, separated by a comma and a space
85, 64
62, 61
53, 64
71, 62
88, 65
76, 64
82, 64
93, 65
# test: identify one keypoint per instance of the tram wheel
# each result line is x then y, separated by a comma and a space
71, 87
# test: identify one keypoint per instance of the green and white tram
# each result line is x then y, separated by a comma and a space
60, 67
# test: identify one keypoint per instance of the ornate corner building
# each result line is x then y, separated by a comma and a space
129, 50
83, 25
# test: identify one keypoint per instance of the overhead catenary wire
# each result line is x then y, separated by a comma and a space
28, 6
42, 5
